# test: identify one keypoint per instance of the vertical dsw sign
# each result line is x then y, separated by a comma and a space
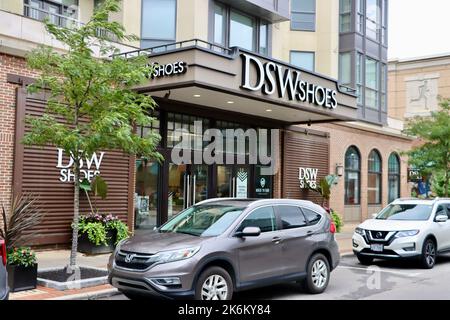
89, 167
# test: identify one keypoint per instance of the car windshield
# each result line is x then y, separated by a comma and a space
203, 220
413, 212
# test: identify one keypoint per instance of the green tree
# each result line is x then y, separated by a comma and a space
94, 97
433, 155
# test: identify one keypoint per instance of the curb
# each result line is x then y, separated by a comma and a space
90, 295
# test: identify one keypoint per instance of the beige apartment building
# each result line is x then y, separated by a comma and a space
217, 58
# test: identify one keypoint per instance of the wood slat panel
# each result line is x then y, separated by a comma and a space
308, 152
39, 175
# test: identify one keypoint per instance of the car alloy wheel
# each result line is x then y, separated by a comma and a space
430, 253
319, 274
214, 288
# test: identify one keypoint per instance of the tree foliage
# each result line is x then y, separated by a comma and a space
433, 155
91, 102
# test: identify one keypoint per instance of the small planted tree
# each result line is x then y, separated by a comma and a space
433, 155
91, 102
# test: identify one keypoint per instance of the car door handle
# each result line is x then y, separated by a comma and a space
309, 233
276, 240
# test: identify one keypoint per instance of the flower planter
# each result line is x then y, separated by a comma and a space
87, 247
22, 278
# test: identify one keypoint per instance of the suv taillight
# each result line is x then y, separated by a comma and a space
3, 251
332, 227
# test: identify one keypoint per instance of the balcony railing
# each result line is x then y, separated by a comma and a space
178, 45
63, 21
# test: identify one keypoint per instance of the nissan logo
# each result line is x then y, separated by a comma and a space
379, 235
129, 257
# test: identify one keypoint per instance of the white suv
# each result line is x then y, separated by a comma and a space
406, 228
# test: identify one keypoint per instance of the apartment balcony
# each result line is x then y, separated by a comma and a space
21, 33
60, 20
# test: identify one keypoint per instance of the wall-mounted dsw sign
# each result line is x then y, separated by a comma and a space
307, 176
272, 77
89, 167
168, 69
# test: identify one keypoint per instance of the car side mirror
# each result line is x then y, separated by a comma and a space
249, 232
441, 218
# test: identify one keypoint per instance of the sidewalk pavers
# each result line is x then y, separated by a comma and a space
43, 293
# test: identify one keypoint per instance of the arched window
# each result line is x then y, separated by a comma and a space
352, 176
394, 177
374, 178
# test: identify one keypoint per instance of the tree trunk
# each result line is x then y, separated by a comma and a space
76, 214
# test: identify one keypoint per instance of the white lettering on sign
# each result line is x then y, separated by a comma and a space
169, 69
308, 176
89, 167
272, 77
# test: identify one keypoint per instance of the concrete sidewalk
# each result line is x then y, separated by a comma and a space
60, 258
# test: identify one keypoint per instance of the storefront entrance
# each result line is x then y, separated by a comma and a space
165, 189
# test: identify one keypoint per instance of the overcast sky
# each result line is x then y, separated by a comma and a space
418, 28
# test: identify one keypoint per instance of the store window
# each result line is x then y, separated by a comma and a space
373, 19
233, 28
352, 176
146, 194
303, 15
345, 16
374, 178
345, 68
263, 184
303, 59
372, 83
158, 22
394, 177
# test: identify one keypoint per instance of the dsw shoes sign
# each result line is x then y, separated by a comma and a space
308, 176
89, 167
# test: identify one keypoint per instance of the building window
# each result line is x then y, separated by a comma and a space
359, 77
360, 16
374, 178
394, 177
345, 16
345, 68
373, 19
242, 31
352, 176
303, 59
180, 128
303, 15
158, 22
384, 22
235, 29
372, 83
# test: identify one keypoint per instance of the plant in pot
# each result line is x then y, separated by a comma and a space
98, 232
22, 269
18, 222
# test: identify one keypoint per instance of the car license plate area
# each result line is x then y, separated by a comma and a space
377, 247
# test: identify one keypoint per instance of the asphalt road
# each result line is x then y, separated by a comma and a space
391, 280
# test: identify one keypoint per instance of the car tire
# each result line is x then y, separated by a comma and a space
317, 274
366, 261
428, 257
214, 283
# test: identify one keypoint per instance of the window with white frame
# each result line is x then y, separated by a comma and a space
345, 16
345, 68
373, 19
303, 15
372, 83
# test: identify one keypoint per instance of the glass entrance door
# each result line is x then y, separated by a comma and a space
188, 184
233, 181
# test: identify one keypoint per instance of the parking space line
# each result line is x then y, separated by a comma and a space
405, 274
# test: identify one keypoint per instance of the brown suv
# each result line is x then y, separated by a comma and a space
221, 246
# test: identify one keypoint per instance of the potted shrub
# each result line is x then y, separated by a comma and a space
22, 269
99, 233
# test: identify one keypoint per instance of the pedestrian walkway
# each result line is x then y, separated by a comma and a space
60, 258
